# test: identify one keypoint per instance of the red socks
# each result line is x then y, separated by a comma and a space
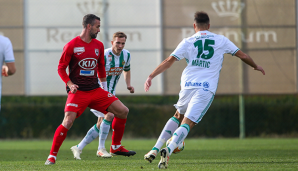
58, 139
118, 126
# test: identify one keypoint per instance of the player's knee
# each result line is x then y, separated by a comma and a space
109, 117
179, 116
67, 123
68, 120
123, 112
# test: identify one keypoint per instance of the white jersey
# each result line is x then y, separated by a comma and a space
6, 53
203, 53
114, 66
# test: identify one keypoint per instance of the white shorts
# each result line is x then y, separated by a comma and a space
194, 103
97, 113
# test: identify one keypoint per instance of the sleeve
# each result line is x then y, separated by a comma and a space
127, 64
64, 62
230, 47
8, 54
180, 50
101, 70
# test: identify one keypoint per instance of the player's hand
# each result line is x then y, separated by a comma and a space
259, 68
147, 84
131, 89
4, 71
74, 88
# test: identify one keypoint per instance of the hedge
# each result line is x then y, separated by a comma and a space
38, 117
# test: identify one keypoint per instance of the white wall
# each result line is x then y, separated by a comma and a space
51, 24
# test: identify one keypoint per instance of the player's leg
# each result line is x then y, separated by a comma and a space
75, 106
172, 124
103, 134
118, 125
89, 137
165, 134
198, 106
105, 101
60, 135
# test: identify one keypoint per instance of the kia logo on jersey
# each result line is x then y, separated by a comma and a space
88, 63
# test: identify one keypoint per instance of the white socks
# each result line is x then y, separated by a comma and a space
90, 136
166, 133
55, 157
178, 137
94, 132
115, 147
103, 133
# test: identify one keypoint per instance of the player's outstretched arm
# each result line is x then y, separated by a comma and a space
167, 63
248, 60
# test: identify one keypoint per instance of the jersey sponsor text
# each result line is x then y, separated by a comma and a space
88, 63
193, 84
114, 71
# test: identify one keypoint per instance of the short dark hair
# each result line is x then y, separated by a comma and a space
89, 19
201, 18
119, 34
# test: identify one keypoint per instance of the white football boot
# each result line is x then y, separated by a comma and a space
150, 156
76, 152
103, 153
164, 158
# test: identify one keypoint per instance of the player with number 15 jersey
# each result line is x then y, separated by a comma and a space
204, 55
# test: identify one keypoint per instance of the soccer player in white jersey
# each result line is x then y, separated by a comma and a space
203, 53
6, 55
117, 59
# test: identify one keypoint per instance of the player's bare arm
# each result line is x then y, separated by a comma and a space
248, 60
73, 87
167, 63
127, 81
8, 69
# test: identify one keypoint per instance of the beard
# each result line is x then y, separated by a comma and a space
93, 36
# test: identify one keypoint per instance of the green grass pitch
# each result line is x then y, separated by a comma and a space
199, 154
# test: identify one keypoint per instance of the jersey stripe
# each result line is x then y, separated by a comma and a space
105, 60
121, 58
109, 78
127, 68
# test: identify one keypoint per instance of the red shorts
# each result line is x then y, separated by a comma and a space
97, 99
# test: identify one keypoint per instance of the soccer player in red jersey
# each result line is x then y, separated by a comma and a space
84, 56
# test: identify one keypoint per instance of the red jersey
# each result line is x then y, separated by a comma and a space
84, 61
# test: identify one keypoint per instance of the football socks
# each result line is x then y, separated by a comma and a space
166, 133
178, 137
59, 137
118, 126
103, 133
90, 136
